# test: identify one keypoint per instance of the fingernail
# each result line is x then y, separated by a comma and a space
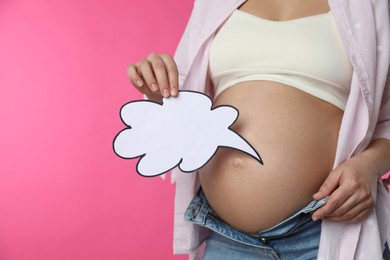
315, 218
153, 87
173, 92
139, 83
165, 93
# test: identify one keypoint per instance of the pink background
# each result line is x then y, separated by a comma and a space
64, 194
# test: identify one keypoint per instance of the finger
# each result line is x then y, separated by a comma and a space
354, 215
362, 215
132, 72
337, 199
329, 185
146, 71
360, 199
173, 75
349, 204
160, 72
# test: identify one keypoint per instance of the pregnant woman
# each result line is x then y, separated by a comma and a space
309, 80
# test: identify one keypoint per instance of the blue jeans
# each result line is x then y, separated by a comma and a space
296, 238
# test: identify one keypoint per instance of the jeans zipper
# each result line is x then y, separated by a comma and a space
265, 239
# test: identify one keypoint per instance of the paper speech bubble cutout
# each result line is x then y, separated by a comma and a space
184, 131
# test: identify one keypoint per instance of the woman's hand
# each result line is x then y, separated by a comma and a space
155, 76
349, 187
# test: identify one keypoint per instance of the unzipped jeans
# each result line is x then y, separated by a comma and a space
296, 238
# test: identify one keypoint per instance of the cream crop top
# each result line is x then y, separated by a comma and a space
306, 53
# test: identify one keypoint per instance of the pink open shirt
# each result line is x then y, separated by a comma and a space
364, 27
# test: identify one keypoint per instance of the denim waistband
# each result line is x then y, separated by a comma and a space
199, 212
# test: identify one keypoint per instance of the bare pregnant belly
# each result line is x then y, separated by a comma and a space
295, 135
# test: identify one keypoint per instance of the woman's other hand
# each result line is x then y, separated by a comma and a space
349, 187
156, 76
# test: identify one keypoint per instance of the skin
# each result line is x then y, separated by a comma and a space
250, 196
349, 185
156, 76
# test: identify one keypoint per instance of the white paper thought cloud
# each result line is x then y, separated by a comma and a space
184, 131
